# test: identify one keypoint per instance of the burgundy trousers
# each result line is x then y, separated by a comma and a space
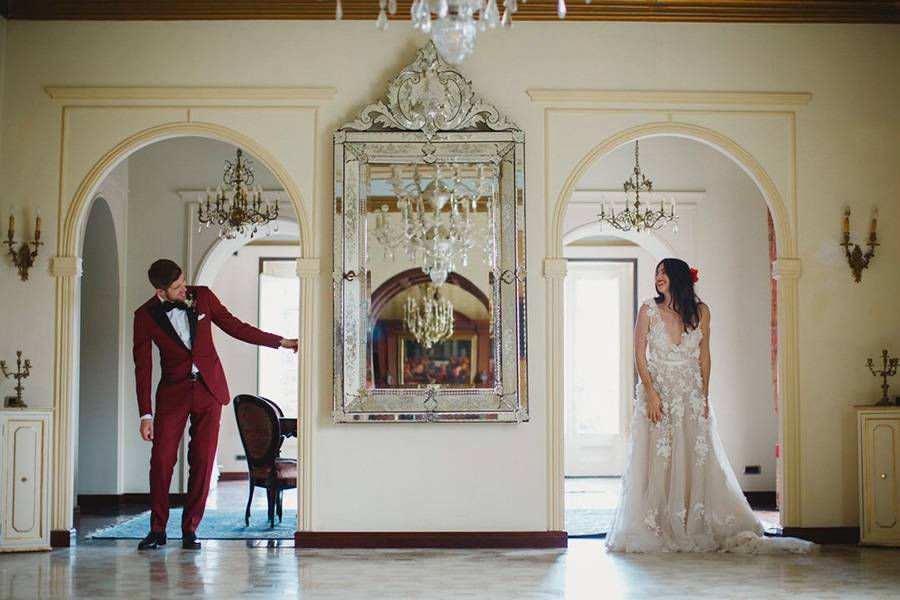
183, 401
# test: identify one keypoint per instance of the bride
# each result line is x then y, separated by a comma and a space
679, 493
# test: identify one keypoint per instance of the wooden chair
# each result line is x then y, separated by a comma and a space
260, 430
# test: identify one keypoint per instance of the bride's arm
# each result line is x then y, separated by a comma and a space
641, 329
705, 360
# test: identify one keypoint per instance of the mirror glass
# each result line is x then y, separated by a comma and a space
430, 245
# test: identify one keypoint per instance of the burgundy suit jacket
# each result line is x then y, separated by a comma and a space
151, 324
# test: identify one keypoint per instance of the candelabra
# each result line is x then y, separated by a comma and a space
23, 256
888, 369
23, 370
857, 260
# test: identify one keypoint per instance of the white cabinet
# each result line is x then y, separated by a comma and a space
25, 459
879, 467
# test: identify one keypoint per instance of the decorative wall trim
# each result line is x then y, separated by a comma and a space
62, 538
309, 271
65, 266
190, 93
671, 98
432, 539
717, 11
824, 535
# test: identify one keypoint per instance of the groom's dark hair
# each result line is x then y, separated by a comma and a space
162, 273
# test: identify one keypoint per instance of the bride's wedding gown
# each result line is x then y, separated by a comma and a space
679, 493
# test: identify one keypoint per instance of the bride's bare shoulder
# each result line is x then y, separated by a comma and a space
703, 307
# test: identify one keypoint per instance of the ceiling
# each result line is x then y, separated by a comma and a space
736, 11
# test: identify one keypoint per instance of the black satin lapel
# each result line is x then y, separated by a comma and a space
159, 315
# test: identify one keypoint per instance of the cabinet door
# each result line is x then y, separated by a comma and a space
882, 518
24, 480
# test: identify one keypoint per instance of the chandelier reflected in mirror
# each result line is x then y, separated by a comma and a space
635, 217
429, 318
238, 209
439, 223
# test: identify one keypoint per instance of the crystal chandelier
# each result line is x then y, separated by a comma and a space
452, 23
437, 225
634, 217
238, 209
430, 318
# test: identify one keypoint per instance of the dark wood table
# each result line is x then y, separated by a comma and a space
288, 426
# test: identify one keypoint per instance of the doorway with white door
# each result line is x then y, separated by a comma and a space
601, 302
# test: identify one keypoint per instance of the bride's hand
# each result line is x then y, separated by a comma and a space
654, 408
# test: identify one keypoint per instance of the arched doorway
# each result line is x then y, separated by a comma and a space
67, 266
786, 270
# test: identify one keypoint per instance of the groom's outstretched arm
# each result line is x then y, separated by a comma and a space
236, 328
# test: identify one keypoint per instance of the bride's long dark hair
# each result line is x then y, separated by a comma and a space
681, 287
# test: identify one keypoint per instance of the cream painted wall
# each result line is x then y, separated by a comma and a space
725, 236
237, 286
461, 477
98, 414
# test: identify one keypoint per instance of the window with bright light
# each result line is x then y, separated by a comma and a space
279, 308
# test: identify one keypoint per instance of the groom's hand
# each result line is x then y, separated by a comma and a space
289, 344
147, 430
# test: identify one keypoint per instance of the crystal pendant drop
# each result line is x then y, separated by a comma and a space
382, 22
561, 9
392, 7
490, 16
338, 11
506, 20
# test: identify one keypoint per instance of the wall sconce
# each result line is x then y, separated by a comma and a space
23, 257
859, 261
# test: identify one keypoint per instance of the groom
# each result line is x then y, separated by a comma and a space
178, 319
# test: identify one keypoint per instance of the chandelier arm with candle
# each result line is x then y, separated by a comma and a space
430, 318
238, 209
634, 217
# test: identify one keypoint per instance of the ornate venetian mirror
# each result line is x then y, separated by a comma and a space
429, 256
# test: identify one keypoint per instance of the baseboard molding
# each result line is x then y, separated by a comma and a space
431, 539
62, 538
103, 501
824, 535
761, 500
234, 476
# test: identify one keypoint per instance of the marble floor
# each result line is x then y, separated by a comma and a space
229, 569
98, 569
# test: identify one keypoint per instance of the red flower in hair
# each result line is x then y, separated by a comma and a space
695, 275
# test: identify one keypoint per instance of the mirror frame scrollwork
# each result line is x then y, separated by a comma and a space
431, 115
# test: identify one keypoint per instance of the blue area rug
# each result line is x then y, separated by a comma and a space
216, 525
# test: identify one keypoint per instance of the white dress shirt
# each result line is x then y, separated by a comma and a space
179, 320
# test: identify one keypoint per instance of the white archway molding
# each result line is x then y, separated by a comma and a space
66, 267
212, 262
747, 162
786, 270
649, 241
70, 231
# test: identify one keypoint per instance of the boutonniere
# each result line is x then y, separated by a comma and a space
190, 301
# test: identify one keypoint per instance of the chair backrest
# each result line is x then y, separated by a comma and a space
260, 431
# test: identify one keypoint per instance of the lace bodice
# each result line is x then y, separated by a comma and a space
660, 347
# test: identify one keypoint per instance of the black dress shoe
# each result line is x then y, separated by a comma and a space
189, 541
153, 540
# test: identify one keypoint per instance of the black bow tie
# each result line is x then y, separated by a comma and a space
169, 306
